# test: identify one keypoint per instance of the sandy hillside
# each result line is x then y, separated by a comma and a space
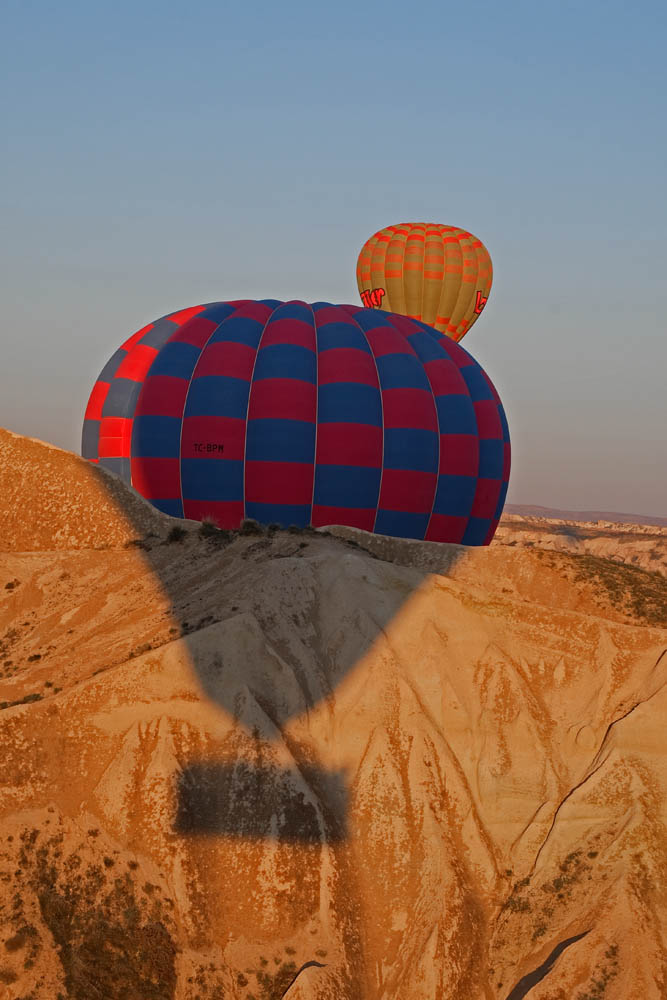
321, 766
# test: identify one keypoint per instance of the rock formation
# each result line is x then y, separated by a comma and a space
320, 766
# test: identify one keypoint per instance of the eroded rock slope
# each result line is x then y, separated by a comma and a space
320, 766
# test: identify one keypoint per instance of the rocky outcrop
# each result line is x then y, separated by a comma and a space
320, 766
641, 545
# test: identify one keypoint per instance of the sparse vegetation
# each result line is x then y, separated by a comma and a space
26, 700
251, 527
602, 976
113, 939
270, 985
634, 592
176, 534
213, 534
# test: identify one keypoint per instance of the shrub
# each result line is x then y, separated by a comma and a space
212, 533
251, 527
176, 534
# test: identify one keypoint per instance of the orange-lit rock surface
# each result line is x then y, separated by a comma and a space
320, 766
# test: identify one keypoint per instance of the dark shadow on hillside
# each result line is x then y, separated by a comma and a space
266, 668
255, 802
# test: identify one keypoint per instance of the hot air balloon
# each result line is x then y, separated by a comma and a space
440, 275
301, 414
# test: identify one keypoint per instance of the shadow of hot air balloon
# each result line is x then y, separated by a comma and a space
295, 415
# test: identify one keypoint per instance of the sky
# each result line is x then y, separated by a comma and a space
154, 155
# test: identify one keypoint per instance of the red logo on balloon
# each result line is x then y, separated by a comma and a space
372, 298
480, 302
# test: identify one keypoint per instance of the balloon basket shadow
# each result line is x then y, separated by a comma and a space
252, 801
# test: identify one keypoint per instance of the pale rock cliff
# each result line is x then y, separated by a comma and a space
320, 766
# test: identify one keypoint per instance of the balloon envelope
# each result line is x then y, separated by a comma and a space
438, 274
302, 414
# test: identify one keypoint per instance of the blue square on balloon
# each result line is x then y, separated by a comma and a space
411, 448
426, 348
177, 359
401, 524
275, 440
504, 424
211, 479
478, 387
332, 335
491, 453
455, 495
286, 361
156, 437
217, 312
293, 310
283, 514
401, 371
370, 319
173, 507
346, 486
349, 403
476, 531
501, 501
456, 414
239, 330
217, 396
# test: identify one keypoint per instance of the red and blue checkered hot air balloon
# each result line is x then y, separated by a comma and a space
298, 414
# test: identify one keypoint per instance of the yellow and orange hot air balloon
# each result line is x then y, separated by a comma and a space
438, 274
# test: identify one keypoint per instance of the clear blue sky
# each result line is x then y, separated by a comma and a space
156, 155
